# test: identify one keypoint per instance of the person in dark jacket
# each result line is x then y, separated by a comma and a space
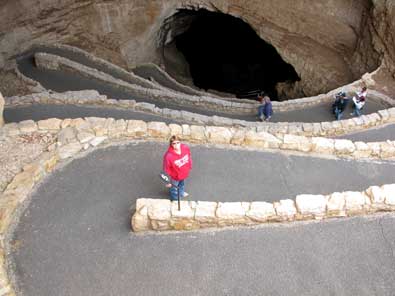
339, 105
177, 163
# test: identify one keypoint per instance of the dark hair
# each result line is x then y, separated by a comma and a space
174, 138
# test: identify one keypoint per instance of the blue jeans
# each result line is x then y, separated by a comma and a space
174, 190
357, 111
338, 113
261, 109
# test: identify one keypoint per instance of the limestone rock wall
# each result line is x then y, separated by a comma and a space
164, 215
329, 43
383, 28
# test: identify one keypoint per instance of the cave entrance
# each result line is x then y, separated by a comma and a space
221, 52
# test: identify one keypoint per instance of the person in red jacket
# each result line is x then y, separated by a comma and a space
177, 162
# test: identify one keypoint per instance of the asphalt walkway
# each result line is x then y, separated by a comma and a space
74, 238
65, 81
39, 112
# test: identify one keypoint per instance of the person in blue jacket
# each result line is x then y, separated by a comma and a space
265, 111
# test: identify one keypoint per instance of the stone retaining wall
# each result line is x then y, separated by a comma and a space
120, 72
77, 135
53, 62
87, 132
323, 129
175, 84
249, 106
163, 215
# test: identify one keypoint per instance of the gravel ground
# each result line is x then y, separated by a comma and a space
16, 152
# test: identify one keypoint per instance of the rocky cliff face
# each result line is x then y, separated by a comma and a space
382, 29
329, 43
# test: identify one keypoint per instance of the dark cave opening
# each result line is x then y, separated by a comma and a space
225, 54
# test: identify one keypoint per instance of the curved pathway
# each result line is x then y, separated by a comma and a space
64, 81
74, 238
379, 134
39, 112
148, 71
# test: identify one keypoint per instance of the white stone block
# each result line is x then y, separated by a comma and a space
389, 192
117, 128
356, 202
293, 142
49, 124
238, 136
375, 147
311, 205
387, 150
362, 150
27, 126
377, 197
327, 127
285, 209
261, 211
186, 131
205, 211
261, 139
175, 129
136, 128
159, 130
218, 135
230, 211
186, 211
160, 209
197, 133
335, 205
323, 145
344, 146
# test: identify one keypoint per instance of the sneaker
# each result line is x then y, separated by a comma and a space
261, 118
186, 194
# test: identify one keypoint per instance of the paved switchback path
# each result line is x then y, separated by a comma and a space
64, 81
39, 112
74, 238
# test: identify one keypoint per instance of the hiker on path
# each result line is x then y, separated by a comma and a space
265, 111
339, 105
177, 163
359, 101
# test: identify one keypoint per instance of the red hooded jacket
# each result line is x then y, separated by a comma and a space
177, 166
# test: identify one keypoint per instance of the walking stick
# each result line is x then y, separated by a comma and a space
165, 178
